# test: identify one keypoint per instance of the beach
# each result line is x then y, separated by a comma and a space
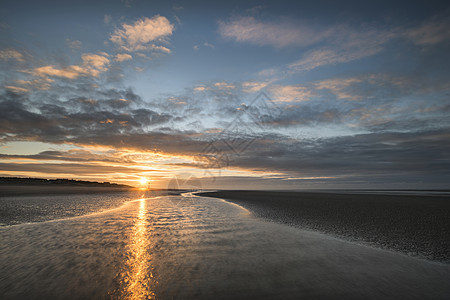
190, 247
417, 224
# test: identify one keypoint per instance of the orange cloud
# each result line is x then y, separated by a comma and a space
123, 57
253, 86
95, 61
70, 72
40, 83
139, 35
93, 65
11, 54
291, 93
16, 89
339, 87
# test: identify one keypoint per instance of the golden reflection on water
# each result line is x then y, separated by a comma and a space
138, 279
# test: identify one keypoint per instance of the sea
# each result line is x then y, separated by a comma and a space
147, 246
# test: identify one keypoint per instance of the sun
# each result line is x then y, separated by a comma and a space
143, 181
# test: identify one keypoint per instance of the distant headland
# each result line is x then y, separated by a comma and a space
14, 186
59, 181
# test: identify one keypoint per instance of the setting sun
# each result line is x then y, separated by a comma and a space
143, 181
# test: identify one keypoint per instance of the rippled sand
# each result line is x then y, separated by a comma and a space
416, 223
200, 248
44, 207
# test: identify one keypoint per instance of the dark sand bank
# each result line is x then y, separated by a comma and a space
418, 225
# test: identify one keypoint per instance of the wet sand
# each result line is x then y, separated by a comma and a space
39, 203
200, 248
417, 225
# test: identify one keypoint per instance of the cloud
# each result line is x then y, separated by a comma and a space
205, 44
395, 154
254, 86
345, 45
39, 83
383, 87
278, 35
223, 85
322, 57
67, 168
339, 87
142, 34
375, 102
93, 65
88, 111
433, 31
114, 113
11, 54
123, 57
290, 93
200, 88
76, 155
361, 159
17, 89
73, 112
335, 44
16, 120
396, 149
340, 43
95, 62
70, 72
74, 44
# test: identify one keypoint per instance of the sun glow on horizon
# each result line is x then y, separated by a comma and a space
143, 181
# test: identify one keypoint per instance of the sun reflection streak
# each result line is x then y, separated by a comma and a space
138, 278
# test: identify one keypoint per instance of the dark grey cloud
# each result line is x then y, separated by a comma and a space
73, 155
389, 160
17, 122
400, 154
66, 168
88, 121
61, 121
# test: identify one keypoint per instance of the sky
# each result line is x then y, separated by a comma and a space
229, 94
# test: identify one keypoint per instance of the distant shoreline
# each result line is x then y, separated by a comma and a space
31, 190
56, 182
20, 186
417, 225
